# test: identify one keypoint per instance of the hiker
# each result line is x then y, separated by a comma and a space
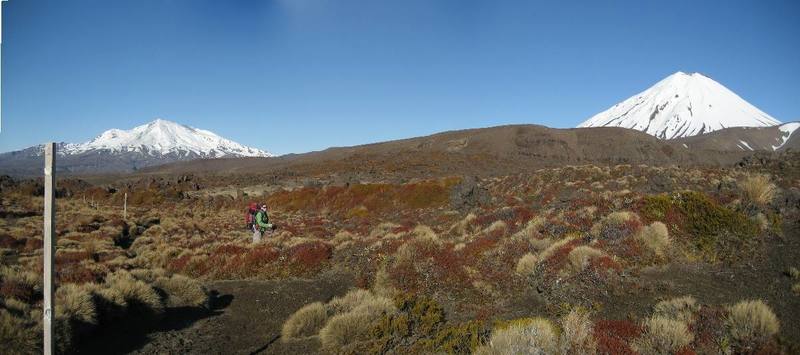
261, 223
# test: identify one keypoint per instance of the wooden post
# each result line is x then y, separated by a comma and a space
49, 244
125, 207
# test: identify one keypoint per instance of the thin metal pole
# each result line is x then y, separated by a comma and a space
49, 243
125, 207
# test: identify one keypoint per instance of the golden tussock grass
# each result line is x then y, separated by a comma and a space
526, 265
307, 321
655, 237
183, 291
464, 226
74, 302
553, 247
758, 189
135, 292
579, 258
576, 334
537, 336
662, 335
680, 308
356, 324
17, 335
752, 322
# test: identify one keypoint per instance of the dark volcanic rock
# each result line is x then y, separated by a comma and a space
468, 194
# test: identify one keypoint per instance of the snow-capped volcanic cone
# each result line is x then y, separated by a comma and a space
682, 105
158, 142
162, 137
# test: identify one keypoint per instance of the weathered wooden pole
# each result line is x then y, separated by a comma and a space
125, 207
49, 243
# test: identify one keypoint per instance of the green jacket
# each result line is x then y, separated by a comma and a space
262, 221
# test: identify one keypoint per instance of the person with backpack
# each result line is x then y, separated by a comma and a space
261, 223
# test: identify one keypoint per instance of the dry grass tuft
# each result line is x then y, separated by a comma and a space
75, 302
580, 257
355, 325
463, 226
655, 237
17, 336
553, 247
663, 336
576, 334
535, 337
527, 264
346, 303
183, 291
758, 189
134, 292
307, 321
681, 309
752, 322
796, 289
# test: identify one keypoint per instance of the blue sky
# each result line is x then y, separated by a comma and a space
300, 75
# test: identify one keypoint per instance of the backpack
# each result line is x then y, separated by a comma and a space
250, 215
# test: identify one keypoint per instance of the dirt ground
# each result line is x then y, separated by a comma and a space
246, 319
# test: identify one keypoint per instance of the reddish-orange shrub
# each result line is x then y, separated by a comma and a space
614, 336
310, 255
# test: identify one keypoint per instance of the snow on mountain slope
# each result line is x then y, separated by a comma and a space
786, 132
682, 105
162, 137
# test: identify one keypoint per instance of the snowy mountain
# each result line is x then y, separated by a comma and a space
162, 137
682, 105
158, 142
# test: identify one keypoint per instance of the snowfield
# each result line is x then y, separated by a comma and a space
682, 105
162, 137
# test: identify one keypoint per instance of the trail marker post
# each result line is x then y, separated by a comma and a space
49, 244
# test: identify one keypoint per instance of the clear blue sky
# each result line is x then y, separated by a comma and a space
301, 75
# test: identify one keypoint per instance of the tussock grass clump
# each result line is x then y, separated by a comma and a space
74, 302
580, 257
183, 291
531, 229
499, 227
796, 289
463, 226
355, 325
527, 264
348, 302
17, 336
576, 334
655, 237
662, 335
538, 336
553, 247
752, 322
758, 189
135, 292
680, 308
426, 235
307, 321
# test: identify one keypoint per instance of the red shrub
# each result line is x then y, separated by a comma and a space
613, 336
310, 255
76, 274
479, 245
179, 263
66, 258
230, 249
